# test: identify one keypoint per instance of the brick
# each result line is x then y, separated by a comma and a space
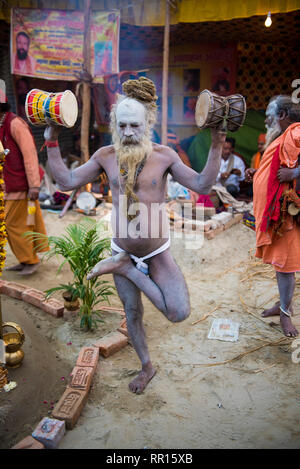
69, 406
49, 432
236, 219
123, 328
212, 233
123, 324
29, 443
81, 377
37, 298
33, 296
111, 343
123, 331
53, 307
88, 356
13, 289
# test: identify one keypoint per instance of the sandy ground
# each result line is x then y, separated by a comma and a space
252, 402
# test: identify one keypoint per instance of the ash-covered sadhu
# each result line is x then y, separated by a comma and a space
276, 186
137, 170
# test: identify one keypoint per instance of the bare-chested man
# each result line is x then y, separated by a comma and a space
138, 169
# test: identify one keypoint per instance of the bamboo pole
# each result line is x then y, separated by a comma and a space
164, 120
86, 90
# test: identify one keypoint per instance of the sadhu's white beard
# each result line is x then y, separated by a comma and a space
272, 133
129, 157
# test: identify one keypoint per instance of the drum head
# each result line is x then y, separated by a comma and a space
86, 201
68, 109
202, 108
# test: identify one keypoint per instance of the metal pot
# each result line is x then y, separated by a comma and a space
13, 342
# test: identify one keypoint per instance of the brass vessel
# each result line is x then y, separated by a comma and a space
13, 342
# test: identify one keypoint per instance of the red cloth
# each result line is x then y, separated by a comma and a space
205, 200
274, 192
14, 169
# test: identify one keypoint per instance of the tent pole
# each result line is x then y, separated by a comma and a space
164, 120
86, 93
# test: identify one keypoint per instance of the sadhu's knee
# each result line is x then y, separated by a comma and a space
179, 315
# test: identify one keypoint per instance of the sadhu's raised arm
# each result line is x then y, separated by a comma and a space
200, 182
65, 178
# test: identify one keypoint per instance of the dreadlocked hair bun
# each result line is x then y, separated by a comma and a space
142, 90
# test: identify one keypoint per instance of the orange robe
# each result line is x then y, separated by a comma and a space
256, 159
281, 251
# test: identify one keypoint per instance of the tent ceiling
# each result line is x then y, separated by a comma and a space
285, 30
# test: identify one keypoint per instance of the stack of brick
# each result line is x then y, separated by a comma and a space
32, 296
70, 405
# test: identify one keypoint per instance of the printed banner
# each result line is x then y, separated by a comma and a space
49, 43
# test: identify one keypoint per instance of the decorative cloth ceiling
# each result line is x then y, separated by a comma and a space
152, 12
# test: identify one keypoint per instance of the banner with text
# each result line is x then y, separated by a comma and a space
49, 43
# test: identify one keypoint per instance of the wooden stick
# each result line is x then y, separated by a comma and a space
241, 355
164, 120
206, 315
263, 369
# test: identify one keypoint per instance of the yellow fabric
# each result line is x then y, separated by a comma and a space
15, 220
152, 12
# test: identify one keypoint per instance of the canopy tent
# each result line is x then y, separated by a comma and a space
152, 12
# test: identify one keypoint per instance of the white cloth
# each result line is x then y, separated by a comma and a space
227, 198
140, 264
233, 178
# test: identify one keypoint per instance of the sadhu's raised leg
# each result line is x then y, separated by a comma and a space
165, 286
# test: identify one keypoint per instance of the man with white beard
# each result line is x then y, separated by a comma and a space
137, 170
277, 224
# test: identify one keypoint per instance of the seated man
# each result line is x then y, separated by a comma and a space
256, 159
232, 169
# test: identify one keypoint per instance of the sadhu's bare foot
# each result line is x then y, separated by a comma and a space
287, 326
114, 264
139, 383
274, 311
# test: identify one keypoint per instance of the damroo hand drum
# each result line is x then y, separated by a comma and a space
227, 113
61, 108
236, 112
210, 109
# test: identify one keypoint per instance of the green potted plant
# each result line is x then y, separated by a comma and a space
81, 247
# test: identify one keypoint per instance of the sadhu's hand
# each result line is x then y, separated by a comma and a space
52, 130
218, 136
286, 174
249, 174
33, 193
224, 175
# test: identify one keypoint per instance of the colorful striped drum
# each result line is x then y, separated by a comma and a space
61, 108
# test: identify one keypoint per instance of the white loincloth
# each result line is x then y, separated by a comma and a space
140, 264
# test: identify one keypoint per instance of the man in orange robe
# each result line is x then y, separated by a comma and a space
256, 159
279, 243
